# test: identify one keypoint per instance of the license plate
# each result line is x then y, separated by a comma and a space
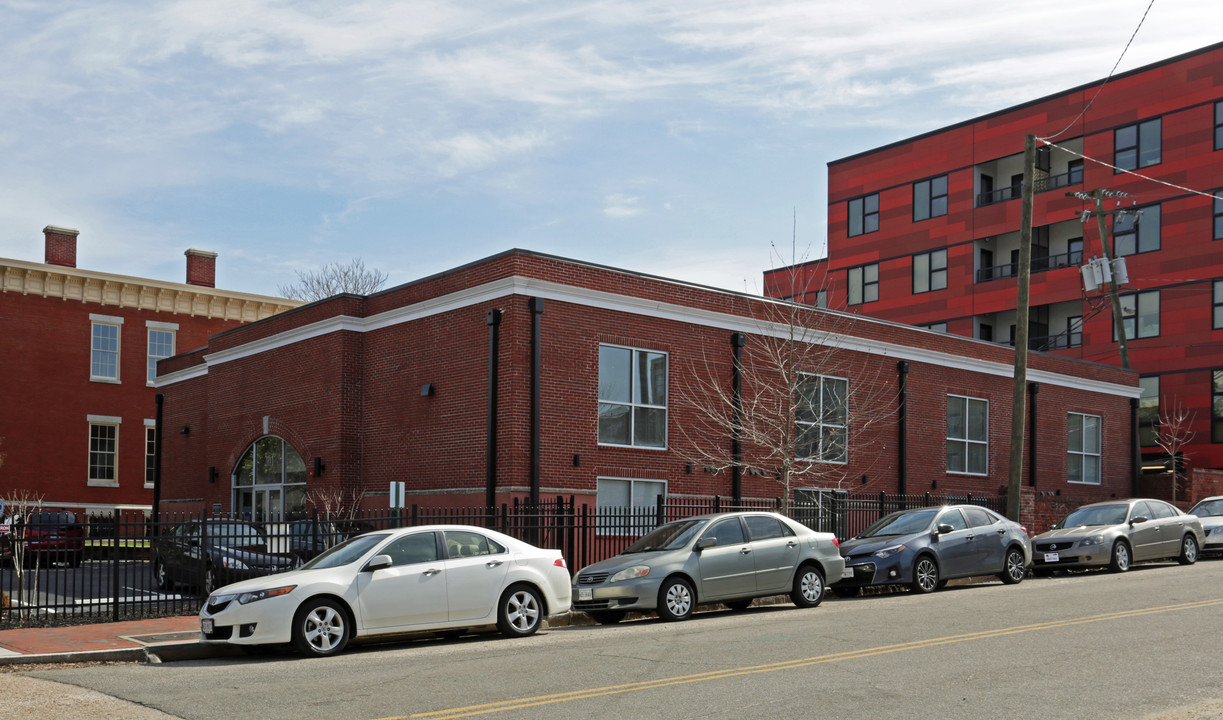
586, 594
206, 625
847, 573
1052, 557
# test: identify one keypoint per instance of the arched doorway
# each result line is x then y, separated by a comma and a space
269, 482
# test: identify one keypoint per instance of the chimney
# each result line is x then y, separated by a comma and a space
61, 245
201, 268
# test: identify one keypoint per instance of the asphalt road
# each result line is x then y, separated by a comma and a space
1084, 646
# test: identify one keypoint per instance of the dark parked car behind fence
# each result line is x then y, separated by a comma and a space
117, 581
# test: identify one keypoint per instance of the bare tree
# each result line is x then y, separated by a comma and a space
333, 279
1173, 435
19, 505
806, 403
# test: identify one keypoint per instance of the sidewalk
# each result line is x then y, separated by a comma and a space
138, 640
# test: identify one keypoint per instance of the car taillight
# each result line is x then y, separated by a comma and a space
560, 563
836, 543
1025, 530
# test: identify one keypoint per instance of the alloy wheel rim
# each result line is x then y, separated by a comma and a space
926, 575
1015, 566
323, 627
678, 599
1191, 549
1123, 557
522, 612
812, 587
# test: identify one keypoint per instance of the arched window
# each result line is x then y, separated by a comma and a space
269, 482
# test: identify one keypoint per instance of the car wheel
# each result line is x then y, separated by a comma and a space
1189, 550
1120, 561
520, 612
1014, 570
607, 617
320, 628
161, 577
77, 559
846, 592
808, 589
210, 580
675, 600
925, 575
738, 605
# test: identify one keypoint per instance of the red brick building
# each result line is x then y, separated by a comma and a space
925, 231
78, 350
524, 374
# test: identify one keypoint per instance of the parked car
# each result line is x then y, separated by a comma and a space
1118, 533
49, 536
730, 558
210, 553
437, 577
304, 539
926, 547
1209, 512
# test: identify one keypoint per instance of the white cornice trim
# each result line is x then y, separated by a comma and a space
519, 285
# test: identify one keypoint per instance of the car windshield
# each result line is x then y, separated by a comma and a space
346, 552
668, 537
50, 518
234, 535
1098, 515
901, 523
1208, 508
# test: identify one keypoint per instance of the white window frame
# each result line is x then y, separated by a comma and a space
1081, 455
150, 451
967, 441
633, 405
100, 421
641, 522
158, 327
96, 321
820, 423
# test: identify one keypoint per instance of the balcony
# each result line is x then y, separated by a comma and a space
1073, 176
1073, 258
1055, 170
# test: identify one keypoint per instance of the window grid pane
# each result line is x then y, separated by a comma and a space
632, 397
105, 351
821, 419
1083, 448
102, 452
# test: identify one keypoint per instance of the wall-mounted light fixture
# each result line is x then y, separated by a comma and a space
186, 429
577, 460
688, 468
319, 467
212, 474
933, 484
426, 390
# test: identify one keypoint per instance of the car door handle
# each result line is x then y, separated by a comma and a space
1002, 532
493, 563
433, 571
791, 544
745, 551
970, 537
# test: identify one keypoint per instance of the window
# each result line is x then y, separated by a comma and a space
967, 435
1136, 232
763, 527
150, 452
954, 518
161, 344
103, 450
864, 215
465, 543
411, 549
1140, 315
1219, 125
1074, 172
1218, 304
930, 198
632, 397
1216, 407
821, 298
1137, 146
104, 355
269, 480
1148, 411
726, 532
1083, 448
930, 271
1218, 214
822, 419
863, 284
626, 506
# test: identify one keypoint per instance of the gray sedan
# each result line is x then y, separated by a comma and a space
729, 558
1117, 533
1210, 512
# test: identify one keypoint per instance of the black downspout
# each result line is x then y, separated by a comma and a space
902, 429
1033, 390
737, 341
536, 306
1135, 451
493, 318
161, 401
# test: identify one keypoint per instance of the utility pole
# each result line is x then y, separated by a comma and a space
1097, 198
1019, 389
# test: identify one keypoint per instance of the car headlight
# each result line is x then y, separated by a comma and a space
888, 552
250, 597
233, 563
635, 571
1092, 540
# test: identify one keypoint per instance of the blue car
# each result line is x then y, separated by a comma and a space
926, 547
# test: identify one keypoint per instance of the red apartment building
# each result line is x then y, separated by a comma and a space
79, 351
527, 375
925, 231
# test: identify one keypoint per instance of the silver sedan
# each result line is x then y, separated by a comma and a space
1210, 512
1117, 533
729, 558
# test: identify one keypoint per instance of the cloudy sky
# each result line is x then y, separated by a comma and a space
679, 138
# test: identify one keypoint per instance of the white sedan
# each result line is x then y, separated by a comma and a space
435, 577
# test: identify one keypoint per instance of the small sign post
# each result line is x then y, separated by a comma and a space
398, 495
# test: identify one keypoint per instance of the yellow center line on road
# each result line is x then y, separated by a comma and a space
522, 703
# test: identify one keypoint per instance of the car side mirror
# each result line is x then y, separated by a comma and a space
378, 562
706, 542
944, 528
1139, 519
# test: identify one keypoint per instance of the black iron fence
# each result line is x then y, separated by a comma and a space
126, 566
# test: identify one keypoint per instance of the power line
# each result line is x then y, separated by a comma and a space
1131, 172
1110, 76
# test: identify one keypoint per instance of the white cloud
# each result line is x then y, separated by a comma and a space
618, 205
